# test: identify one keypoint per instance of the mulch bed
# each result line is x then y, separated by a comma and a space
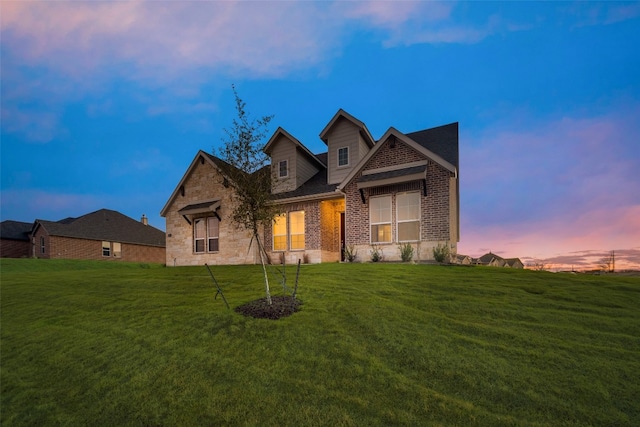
281, 306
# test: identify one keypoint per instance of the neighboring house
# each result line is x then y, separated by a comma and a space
100, 235
14, 239
462, 259
402, 188
494, 260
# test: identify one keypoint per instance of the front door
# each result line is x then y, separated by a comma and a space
342, 236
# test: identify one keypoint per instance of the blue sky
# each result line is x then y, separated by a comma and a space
105, 104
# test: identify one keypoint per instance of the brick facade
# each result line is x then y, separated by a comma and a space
57, 247
14, 248
434, 210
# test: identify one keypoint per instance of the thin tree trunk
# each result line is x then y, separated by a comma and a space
264, 267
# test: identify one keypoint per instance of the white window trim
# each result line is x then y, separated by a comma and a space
209, 237
398, 221
286, 175
390, 222
205, 239
338, 157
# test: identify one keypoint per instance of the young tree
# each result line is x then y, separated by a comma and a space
249, 176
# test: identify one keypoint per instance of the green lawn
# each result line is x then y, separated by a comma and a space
98, 343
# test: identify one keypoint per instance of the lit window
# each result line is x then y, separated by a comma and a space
106, 249
280, 233
117, 249
213, 229
199, 231
343, 156
380, 219
297, 230
408, 216
283, 169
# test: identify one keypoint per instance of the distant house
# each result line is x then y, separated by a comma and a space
462, 259
402, 188
14, 239
100, 235
493, 260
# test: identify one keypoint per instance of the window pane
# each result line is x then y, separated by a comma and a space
117, 249
106, 248
280, 225
381, 233
212, 227
213, 245
296, 225
199, 228
343, 156
380, 209
279, 243
297, 222
283, 169
200, 245
408, 206
408, 231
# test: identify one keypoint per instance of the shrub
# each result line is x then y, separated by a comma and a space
376, 253
441, 253
350, 253
406, 252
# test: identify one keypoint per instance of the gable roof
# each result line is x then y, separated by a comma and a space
201, 156
15, 230
441, 140
107, 225
343, 114
281, 132
394, 133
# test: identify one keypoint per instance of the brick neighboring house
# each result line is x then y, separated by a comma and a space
101, 235
14, 239
402, 188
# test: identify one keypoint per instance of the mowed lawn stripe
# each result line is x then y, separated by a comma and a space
105, 343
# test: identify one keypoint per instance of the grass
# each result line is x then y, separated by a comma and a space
95, 343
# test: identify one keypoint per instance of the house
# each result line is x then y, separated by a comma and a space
14, 239
360, 193
494, 260
101, 235
462, 259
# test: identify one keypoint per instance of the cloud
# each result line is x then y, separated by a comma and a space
29, 204
557, 185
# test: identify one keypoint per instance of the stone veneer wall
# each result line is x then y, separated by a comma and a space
205, 183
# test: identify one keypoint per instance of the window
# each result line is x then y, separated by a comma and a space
408, 216
117, 249
283, 169
42, 246
280, 233
343, 156
199, 230
380, 219
296, 220
106, 249
206, 233
213, 229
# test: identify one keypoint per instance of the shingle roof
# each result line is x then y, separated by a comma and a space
393, 174
442, 140
15, 230
316, 185
106, 225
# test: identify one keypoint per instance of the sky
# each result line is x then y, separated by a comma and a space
105, 104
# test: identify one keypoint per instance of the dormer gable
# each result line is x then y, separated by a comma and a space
348, 141
292, 164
